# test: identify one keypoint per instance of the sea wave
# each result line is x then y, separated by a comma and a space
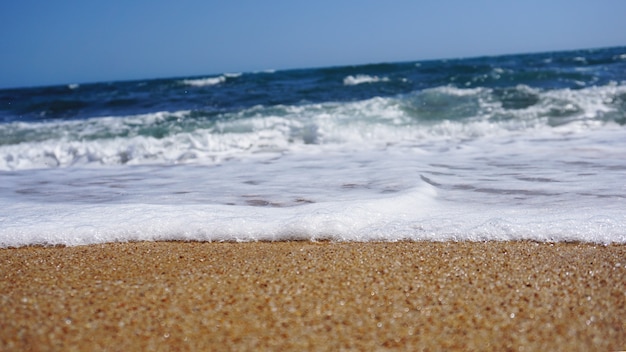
360, 79
427, 118
205, 82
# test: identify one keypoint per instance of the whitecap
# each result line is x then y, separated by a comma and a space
204, 82
360, 79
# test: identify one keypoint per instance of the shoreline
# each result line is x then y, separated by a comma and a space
314, 295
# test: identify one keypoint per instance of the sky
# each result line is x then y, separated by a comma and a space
45, 42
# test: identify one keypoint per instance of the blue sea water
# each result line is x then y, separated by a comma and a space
493, 148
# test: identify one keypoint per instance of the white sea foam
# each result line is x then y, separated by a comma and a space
356, 196
377, 169
68, 225
471, 114
360, 79
204, 82
551, 191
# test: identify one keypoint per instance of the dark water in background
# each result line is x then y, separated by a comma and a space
228, 93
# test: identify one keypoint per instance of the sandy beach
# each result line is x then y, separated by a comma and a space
314, 296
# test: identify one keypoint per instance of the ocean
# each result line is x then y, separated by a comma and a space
516, 147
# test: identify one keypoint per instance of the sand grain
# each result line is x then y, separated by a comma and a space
305, 295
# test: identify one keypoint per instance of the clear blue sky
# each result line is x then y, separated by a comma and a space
46, 42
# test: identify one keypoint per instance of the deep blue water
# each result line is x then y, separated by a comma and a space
558, 70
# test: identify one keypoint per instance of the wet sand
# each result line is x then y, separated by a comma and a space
314, 296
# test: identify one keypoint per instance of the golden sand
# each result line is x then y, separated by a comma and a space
314, 296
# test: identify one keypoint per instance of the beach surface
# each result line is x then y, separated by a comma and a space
314, 296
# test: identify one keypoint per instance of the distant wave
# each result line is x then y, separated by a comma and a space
210, 81
204, 82
360, 79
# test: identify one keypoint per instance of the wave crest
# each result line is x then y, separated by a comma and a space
425, 118
205, 82
360, 79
